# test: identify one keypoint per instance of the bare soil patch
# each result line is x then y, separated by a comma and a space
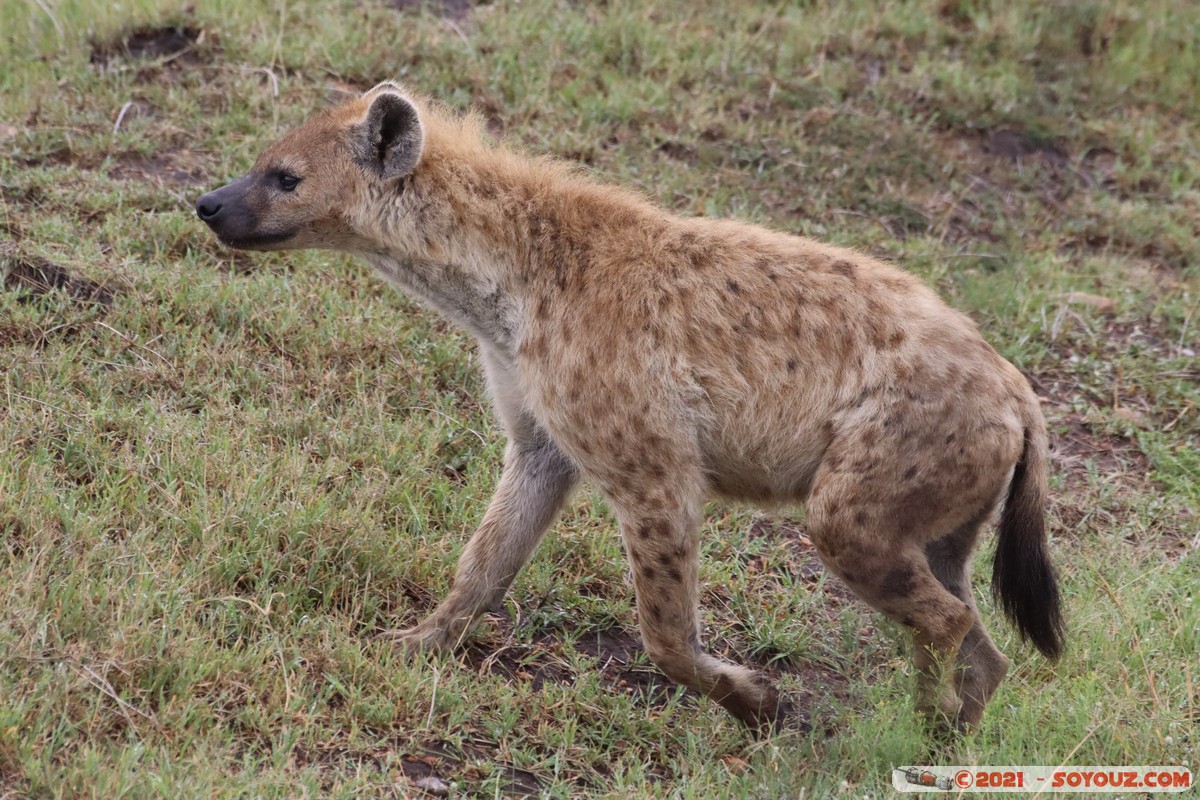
14, 538
1001, 179
35, 277
428, 769
454, 10
177, 168
442, 756
1093, 424
1081, 451
180, 42
1077, 441
624, 667
1018, 147
1005, 173
1108, 454
618, 653
993, 164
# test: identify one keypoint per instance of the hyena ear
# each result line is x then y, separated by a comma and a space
391, 137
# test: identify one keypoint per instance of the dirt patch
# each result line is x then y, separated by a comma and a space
1018, 147
677, 150
35, 277
989, 165
461, 759
160, 42
1093, 425
423, 771
1104, 474
818, 683
537, 664
169, 168
454, 10
1004, 174
624, 667
810, 701
622, 664
428, 769
14, 537
1078, 441
1082, 448
182, 43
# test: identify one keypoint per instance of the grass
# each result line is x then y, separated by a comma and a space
218, 484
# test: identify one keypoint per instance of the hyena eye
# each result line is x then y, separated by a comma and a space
288, 182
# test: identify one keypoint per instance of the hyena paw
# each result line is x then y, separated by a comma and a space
417, 640
758, 704
789, 719
944, 720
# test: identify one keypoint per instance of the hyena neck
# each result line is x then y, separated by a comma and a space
484, 238
417, 241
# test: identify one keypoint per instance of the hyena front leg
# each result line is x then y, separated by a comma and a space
537, 480
659, 526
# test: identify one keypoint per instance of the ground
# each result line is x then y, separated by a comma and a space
221, 474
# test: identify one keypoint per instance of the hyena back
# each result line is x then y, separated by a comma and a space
666, 360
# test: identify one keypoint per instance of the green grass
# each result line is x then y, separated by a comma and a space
213, 492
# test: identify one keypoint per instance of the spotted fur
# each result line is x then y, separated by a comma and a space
666, 360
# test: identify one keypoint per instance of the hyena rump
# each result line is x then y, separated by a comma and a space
667, 359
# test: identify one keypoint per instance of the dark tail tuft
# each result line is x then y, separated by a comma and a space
1023, 579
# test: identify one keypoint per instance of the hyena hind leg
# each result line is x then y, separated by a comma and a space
894, 577
980, 665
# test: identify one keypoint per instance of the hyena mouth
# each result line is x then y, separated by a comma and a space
262, 241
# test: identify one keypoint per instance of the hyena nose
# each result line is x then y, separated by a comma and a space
208, 208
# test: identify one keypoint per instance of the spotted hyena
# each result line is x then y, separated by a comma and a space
668, 359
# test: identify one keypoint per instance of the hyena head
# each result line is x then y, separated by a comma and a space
313, 187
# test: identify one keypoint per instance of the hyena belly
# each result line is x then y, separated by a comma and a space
771, 469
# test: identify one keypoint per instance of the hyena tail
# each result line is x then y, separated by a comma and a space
1023, 579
